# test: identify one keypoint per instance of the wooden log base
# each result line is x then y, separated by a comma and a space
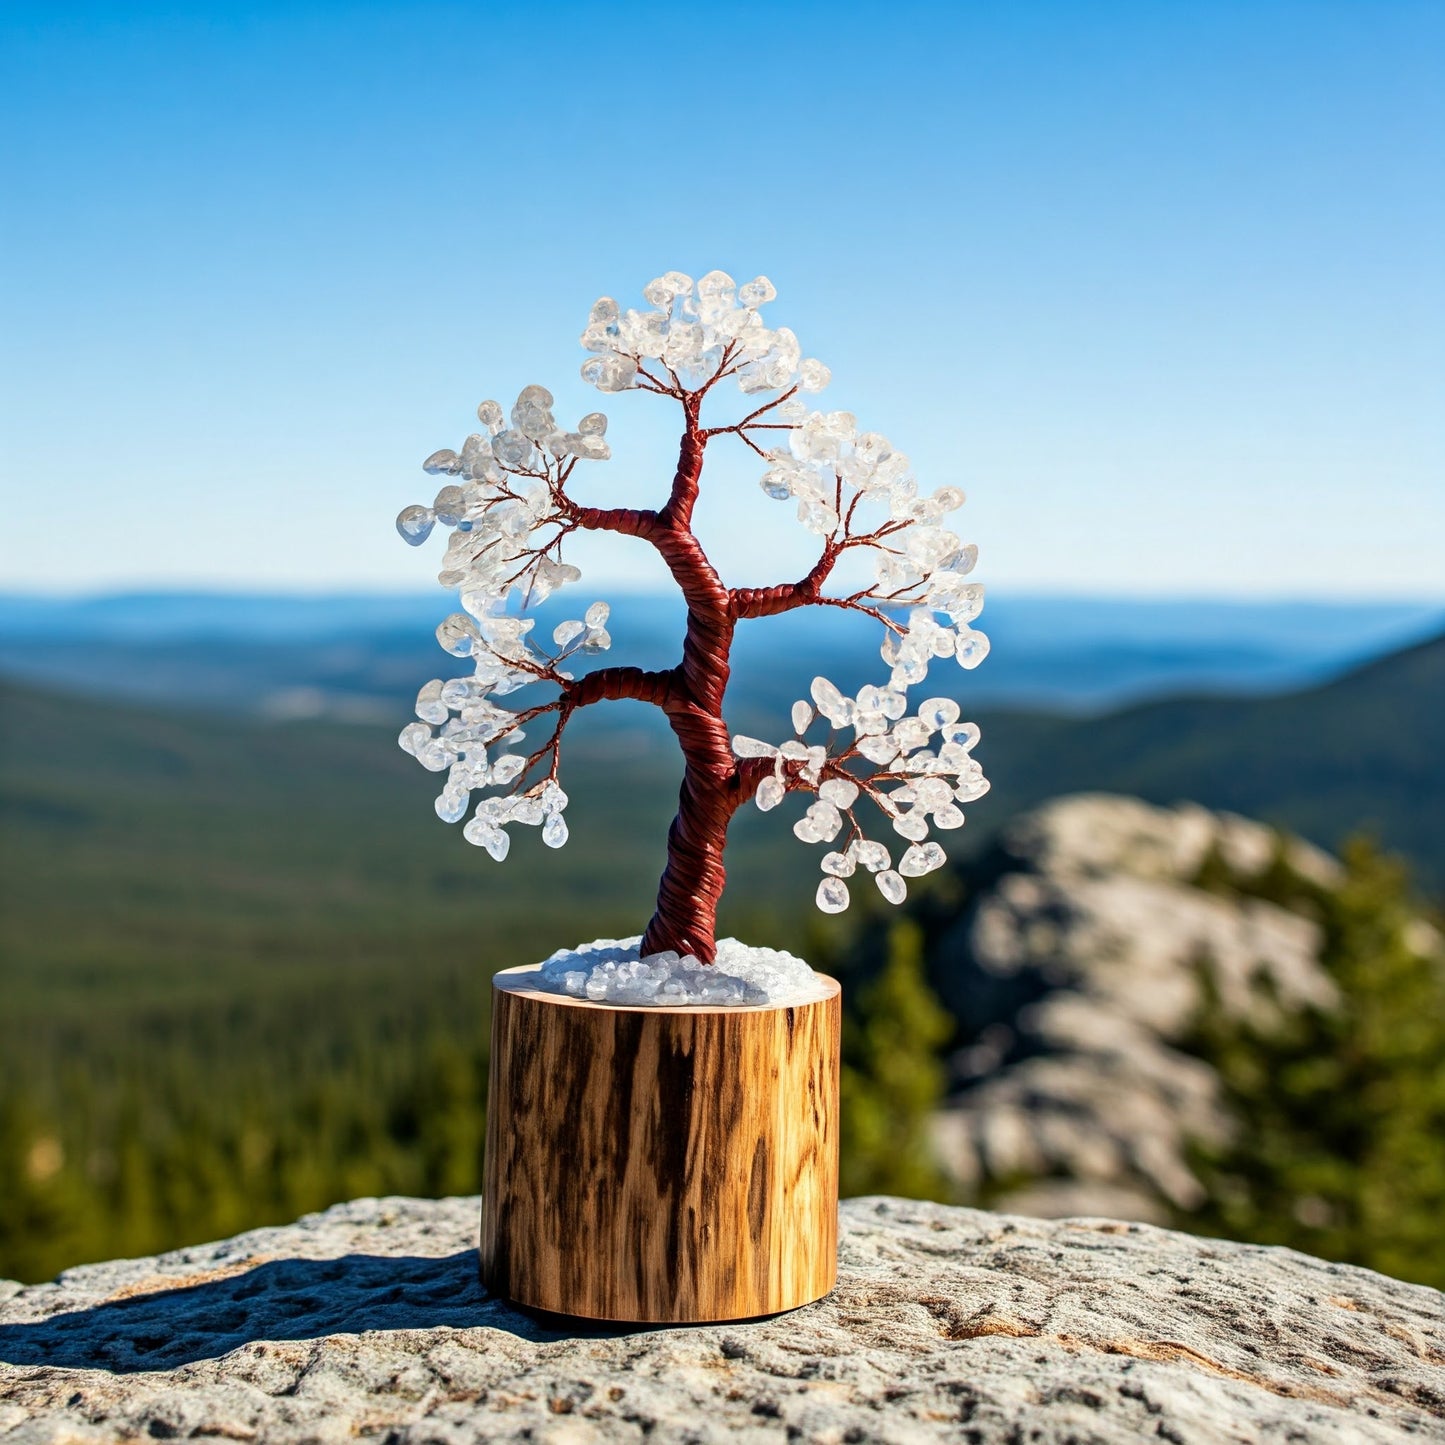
660, 1165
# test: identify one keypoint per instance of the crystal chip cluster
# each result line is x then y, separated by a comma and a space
504, 503
914, 768
506, 528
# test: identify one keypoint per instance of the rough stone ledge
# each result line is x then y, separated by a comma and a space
946, 1324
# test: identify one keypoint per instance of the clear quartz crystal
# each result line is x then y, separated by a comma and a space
938, 712
878, 748
485, 834
826, 820
508, 768
415, 524
554, 830
429, 705
832, 895
458, 634
770, 794
966, 735
921, 858
910, 734
589, 448
746, 747
912, 825
757, 292
831, 703
841, 792
972, 648
813, 375
892, 886
413, 735
451, 805
450, 506
802, 717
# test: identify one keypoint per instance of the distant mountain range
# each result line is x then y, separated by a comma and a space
359, 658
1361, 753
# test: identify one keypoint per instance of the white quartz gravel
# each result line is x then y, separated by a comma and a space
612, 970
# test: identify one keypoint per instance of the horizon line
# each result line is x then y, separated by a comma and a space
304, 595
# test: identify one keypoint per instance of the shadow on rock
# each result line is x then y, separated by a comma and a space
292, 1299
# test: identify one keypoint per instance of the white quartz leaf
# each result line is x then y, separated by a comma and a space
813, 375
912, 825
831, 703
508, 767
921, 858
938, 712
413, 735
415, 524
878, 748
964, 734
451, 805
892, 886
746, 747
770, 794
971, 649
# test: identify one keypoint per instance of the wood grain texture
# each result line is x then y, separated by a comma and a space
660, 1164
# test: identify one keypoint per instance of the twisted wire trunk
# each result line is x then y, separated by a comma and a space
685, 919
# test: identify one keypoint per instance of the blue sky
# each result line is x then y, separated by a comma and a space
1159, 284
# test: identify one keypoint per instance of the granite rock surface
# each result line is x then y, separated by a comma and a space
367, 1322
1079, 966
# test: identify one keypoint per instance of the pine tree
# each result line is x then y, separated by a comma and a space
892, 1077
1340, 1149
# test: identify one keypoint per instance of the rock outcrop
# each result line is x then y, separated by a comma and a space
1078, 967
946, 1324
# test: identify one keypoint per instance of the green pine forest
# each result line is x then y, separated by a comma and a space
245, 971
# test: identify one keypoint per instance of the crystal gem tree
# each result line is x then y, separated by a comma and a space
509, 511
